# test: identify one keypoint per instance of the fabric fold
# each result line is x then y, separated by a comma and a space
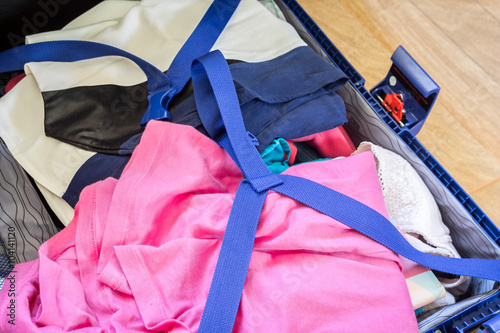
140, 252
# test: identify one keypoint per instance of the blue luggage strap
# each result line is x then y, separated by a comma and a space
219, 110
161, 87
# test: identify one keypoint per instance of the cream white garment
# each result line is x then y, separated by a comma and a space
155, 30
106, 11
413, 210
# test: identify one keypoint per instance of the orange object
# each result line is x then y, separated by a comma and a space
394, 104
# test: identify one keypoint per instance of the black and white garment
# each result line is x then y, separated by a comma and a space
110, 92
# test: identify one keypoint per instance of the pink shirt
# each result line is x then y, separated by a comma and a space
140, 252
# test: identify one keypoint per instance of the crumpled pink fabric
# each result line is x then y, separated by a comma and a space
140, 252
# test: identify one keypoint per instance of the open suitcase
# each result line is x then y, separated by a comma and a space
472, 231
374, 123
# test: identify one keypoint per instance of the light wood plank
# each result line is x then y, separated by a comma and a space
357, 36
458, 151
491, 6
474, 30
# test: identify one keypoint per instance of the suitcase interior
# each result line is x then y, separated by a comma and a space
473, 233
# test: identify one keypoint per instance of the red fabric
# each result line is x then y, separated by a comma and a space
293, 153
330, 144
12, 83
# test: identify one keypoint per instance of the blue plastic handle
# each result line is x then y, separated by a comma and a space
492, 325
414, 73
417, 89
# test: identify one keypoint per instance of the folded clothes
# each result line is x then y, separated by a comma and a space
135, 262
288, 97
111, 90
273, 104
422, 284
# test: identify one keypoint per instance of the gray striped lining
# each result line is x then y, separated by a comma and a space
24, 222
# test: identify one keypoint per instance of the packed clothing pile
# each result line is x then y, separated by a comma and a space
114, 227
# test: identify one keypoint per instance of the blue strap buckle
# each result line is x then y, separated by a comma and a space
158, 104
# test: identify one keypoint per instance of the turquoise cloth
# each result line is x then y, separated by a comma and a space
276, 155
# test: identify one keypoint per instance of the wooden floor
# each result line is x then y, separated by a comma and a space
458, 43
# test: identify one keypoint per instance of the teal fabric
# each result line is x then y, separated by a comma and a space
276, 155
